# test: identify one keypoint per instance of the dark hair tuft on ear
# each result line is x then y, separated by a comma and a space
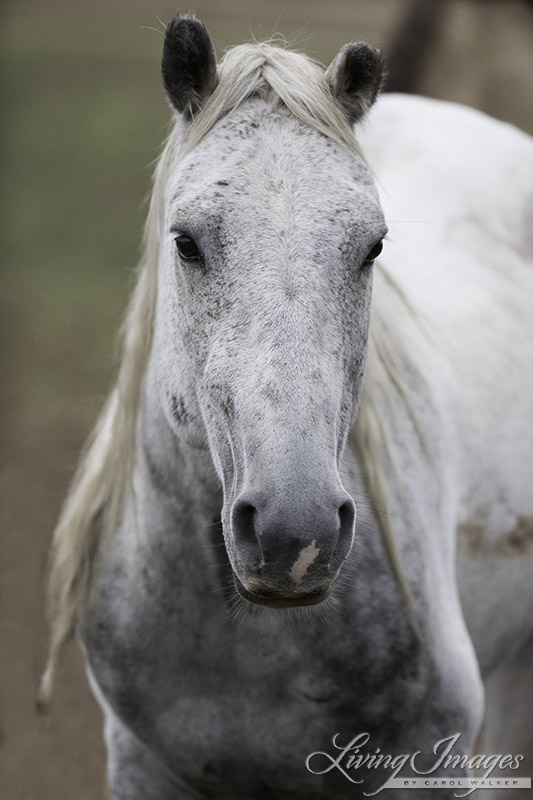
188, 65
356, 76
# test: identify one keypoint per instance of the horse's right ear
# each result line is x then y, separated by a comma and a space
188, 65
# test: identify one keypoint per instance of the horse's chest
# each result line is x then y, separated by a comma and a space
242, 703
241, 713
222, 699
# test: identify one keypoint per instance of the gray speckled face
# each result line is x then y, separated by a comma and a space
261, 337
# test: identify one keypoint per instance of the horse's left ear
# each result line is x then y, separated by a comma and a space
355, 77
188, 66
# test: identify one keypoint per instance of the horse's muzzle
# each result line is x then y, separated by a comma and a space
287, 554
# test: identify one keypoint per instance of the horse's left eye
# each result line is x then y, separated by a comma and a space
374, 252
187, 248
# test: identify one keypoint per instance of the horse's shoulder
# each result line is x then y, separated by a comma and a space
419, 134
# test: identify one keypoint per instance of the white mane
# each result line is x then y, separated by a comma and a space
93, 507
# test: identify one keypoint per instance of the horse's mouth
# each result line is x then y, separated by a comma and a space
273, 598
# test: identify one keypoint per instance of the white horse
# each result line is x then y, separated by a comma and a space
219, 492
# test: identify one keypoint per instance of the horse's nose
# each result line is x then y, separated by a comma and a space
290, 548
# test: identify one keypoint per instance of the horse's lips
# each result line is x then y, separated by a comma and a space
274, 599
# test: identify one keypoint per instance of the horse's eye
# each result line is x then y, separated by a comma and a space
186, 248
374, 252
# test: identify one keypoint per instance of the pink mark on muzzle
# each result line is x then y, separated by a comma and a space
303, 562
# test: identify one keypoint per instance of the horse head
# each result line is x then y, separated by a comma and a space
271, 226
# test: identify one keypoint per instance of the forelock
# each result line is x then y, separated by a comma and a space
270, 71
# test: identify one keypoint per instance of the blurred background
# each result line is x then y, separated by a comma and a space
83, 117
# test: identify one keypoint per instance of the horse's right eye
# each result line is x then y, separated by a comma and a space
374, 252
187, 249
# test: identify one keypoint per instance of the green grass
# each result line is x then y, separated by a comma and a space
83, 118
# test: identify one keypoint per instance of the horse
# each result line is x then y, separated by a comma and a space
297, 550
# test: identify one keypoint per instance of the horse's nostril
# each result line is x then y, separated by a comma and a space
243, 518
346, 515
243, 514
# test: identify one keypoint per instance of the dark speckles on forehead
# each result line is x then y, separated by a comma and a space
257, 123
276, 171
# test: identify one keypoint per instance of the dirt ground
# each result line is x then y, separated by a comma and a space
57, 330
62, 755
